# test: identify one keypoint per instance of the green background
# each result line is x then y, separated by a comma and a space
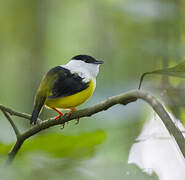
131, 36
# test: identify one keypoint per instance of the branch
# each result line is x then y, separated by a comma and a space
14, 150
123, 99
17, 133
162, 113
14, 113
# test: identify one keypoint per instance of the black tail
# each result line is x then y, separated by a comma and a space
34, 116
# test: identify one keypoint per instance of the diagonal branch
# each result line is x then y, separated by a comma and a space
14, 113
17, 133
123, 99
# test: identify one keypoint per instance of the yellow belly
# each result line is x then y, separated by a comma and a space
73, 100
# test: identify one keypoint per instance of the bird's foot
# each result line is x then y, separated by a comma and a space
69, 114
59, 116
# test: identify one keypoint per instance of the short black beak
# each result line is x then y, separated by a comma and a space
98, 62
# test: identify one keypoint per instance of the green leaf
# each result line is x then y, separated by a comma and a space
58, 145
176, 71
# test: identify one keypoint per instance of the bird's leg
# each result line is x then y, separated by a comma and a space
69, 114
60, 114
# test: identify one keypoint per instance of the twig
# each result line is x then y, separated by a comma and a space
124, 99
15, 113
17, 133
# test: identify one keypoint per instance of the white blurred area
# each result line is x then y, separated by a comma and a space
155, 151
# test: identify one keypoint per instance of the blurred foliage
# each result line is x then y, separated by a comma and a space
176, 71
58, 145
131, 36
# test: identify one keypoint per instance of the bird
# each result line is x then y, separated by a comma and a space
66, 86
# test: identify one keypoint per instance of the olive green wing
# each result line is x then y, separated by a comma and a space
44, 90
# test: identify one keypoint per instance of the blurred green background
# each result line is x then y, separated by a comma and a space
131, 36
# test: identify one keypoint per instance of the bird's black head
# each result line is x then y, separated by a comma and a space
87, 59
